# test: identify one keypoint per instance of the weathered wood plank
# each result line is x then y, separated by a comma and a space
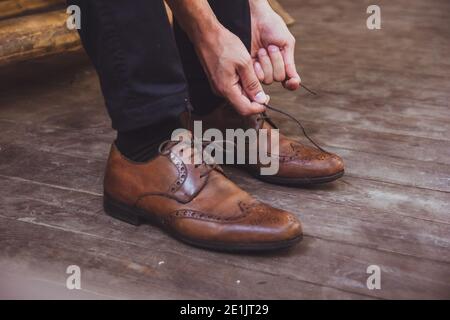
122, 269
346, 272
379, 143
12, 8
23, 286
398, 77
377, 115
36, 36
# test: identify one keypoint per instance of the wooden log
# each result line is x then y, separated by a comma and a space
36, 36
13, 8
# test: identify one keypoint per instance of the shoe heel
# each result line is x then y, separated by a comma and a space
120, 211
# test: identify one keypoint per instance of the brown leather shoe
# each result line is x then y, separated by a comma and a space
298, 164
197, 204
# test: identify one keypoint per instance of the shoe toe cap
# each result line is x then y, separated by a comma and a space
334, 164
266, 223
260, 225
322, 165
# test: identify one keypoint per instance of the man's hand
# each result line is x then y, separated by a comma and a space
225, 59
272, 47
230, 71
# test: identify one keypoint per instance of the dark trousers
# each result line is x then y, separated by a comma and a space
149, 72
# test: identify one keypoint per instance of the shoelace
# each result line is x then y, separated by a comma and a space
266, 117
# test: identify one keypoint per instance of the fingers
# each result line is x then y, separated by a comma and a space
250, 83
266, 65
275, 64
259, 71
279, 73
293, 78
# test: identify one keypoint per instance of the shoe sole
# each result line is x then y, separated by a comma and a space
298, 182
137, 217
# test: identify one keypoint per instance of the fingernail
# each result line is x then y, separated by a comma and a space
260, 97
273, 48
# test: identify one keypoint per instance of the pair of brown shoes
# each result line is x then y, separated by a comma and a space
197, 204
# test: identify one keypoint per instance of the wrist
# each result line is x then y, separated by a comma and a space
196, 18
206, 31
260, 7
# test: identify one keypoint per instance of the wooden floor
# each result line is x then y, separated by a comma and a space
383, 104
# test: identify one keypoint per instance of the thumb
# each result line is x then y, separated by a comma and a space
241, 102
250, 84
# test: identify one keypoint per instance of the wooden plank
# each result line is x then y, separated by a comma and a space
379, 54
379, 143
343, 110
382, 64
36, 36
405, 172
17, 286
13, 8
345, 270
122, 269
